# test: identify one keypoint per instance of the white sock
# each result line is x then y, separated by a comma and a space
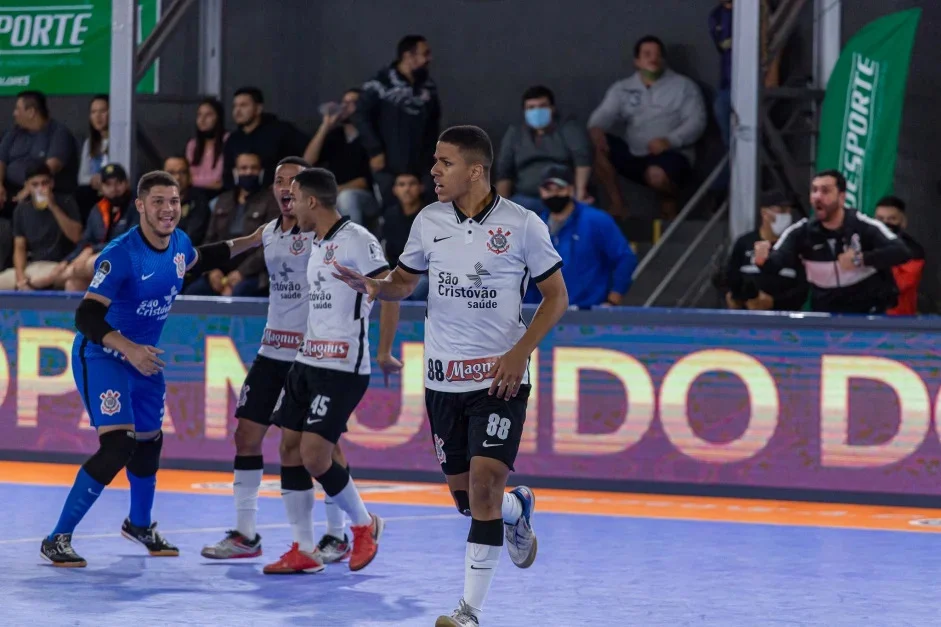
350, 502
336, 518
299, 505
480, 564
246, 485
512, 508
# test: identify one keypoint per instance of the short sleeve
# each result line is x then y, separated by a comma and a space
70, 208
19, 220
61, 144
414, 258
367, 257
112, 269
539, 254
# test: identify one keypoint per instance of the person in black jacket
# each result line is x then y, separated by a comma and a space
748, 286
847, 255
399, 116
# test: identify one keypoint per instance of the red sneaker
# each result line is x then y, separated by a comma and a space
295, 562
365, 542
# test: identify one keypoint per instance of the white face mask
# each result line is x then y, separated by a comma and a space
781, 222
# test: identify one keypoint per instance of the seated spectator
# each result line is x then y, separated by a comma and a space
194, 205
748, 287
399, 217
891, 212
94, 155
46, 228
258, 133
337, 147
664, 116
597, 260
542, 140
239, 212
204, 152
34, 136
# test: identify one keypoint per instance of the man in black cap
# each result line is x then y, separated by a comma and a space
748, 288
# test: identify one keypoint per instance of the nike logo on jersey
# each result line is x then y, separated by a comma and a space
489, 445
441, 239
144, 277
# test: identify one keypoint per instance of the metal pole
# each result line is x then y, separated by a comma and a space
150, 49
123, 63
746, 89
828, 17
210, 48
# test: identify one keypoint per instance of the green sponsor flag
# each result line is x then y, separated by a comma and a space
64, 48
862, 109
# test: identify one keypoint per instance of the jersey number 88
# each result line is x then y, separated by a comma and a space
435, 370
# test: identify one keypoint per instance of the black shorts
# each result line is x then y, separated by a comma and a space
261, 389
318, 400
676, 166
475, 424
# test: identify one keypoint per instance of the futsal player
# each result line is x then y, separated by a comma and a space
286, 251
117, 367
330, 375
480, 251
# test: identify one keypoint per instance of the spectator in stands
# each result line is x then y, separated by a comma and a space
194, 205
204, 151
664, 116
35, 136
46, 226
891, 212
598, 261
544, 138
6, 244
113, 215
399, 217
748, 287
399, 116
94, 155
258, 133
239, 212
337, 147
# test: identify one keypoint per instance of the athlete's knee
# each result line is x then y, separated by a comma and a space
289, 448
249, 438
338, 455
115, 450
462, 501
317, 454
146, 459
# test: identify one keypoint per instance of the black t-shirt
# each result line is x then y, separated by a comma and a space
788, 287
395, 231
45, 241
346, 159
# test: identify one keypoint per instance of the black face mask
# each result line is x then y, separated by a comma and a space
250, 183
557, 204
420, 75
895, 228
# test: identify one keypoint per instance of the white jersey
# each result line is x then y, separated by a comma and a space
338, 318
286, 255
478, 272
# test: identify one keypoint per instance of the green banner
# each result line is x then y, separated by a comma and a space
64, 48
862, 110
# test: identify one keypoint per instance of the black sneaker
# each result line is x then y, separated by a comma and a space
148, 536
59, 551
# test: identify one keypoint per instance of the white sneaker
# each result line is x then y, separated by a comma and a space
461, 617
520, 538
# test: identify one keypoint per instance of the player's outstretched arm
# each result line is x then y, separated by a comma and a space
90, 321
212, 256
388, 322
397, 285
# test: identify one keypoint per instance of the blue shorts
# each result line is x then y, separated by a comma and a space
115, 393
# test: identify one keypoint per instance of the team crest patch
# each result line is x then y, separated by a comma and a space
297, 244
243, 395
110, 402
330, 256
498, 242
104, 269
180, 260
439, 450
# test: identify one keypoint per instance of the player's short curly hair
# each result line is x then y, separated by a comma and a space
472, 141
319, 183
155, 179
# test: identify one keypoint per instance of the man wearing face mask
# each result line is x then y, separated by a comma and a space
748, 287
891, 212
544, 139
239, 212
597, 259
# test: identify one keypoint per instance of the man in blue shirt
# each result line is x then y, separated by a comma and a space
598, 261
116, 364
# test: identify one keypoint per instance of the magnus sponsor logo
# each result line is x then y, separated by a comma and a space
857, 126
282, 339
471, 369
326, 349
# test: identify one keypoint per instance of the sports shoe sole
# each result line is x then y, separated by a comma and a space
81, 564
165, 553
304, 571
241, 556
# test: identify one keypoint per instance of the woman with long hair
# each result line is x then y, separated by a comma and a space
94, 154
204, 150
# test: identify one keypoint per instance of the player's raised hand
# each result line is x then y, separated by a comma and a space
508, 374
389, 365
145, 359
360, 283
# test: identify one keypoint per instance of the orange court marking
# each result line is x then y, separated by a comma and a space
694, 508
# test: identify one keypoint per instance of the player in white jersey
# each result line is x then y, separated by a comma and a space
286, 251
480, 252
330, 375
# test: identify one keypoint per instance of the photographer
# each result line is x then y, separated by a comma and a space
748, 287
